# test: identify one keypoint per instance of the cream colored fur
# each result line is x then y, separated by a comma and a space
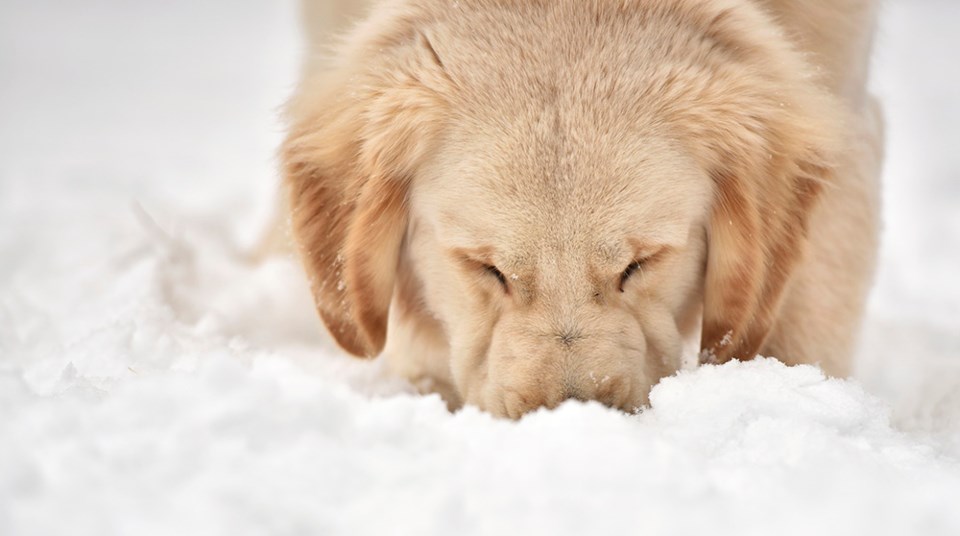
524, 201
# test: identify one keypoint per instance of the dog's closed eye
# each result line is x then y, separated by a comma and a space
495, 272
633, 268
638, 265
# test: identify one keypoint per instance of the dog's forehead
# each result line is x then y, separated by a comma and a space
521, 191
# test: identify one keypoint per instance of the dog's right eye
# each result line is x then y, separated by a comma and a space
492, 270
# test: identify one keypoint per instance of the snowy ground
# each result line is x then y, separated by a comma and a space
153, 382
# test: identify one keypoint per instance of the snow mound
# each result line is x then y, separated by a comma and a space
266, 447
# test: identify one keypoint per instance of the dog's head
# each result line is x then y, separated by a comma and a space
571, 186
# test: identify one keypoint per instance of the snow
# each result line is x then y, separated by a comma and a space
153, 381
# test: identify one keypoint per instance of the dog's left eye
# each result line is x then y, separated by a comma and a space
634, 267
492, 270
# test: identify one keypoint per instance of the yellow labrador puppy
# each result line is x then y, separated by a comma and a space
525, 201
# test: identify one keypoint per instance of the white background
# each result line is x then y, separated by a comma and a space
154, 382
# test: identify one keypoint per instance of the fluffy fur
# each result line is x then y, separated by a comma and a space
525, 201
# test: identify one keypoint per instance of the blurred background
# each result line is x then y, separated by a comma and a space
137, 167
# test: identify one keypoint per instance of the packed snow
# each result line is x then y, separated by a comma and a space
155, 381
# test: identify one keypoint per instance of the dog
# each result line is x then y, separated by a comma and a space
521, 202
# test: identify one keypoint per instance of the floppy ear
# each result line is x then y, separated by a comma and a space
756, 119
358, 135
773, 152
757, 234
